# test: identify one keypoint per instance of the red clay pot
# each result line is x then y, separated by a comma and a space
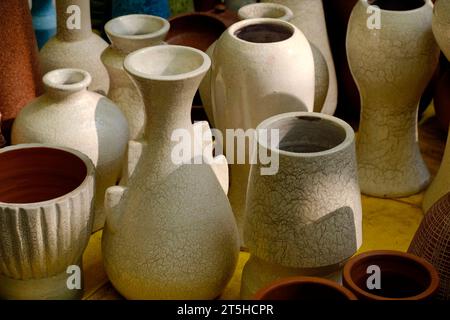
431, 242
404, 276
20, 79
305, 288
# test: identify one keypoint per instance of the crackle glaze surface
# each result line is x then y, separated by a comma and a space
39, 240
69, 115
76, 48
127, 34
391, 67
170, 233
309, 17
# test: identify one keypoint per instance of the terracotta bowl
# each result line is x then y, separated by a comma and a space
305, 288
403, 276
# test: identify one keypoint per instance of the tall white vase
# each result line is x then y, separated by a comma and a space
170, 233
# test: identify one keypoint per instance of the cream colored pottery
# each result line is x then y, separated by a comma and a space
391, 67
71, 116
46, 217
252, 80
170, 234
306, 218
127, 34
441, 29
309, 17
75, 45
265, 10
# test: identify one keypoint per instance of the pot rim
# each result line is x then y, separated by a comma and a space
426, 3
156, 34
428, 292
288, 14
90, 173
349, 133
52, 84
202, 69
303, 280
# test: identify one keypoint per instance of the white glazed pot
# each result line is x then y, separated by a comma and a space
127, 34
46, 216
170, 234
71, 116
75, 45
391, 67
306, 218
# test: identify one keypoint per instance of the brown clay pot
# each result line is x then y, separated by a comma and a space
442, 96
404, 276
20, 79
305, 288
431, 242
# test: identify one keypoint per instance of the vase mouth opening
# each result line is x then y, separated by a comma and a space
67, 80
37, 173
137, 27
397, 5
265, 10
262, 31
306, 134
167, 63
404, 276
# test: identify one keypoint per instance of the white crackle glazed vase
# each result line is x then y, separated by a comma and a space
127, 34
261, 67
170, 233
305, 219
309, 17
441, 29
391, 67
46, 216
75, 45
71, 116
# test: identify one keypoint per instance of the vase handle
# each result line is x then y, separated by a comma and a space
113, 198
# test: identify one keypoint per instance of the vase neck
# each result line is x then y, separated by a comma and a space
74, 20
66, 83
41, 6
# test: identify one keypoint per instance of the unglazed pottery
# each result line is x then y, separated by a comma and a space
309, 17
305, 288
389, 159
44, 20
46, 200
403, 276
151, 7
431, 243
170, 234
243, 97
20, 78
265, 10
441, 30
68, 115
75, 45
235, 5
306, 218
128, 34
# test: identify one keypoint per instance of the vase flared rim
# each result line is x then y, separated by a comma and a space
67, 80
90, 172
161, 32
130, 63
287, 13
399, 12
346, 142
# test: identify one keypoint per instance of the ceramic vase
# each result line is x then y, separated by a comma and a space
44, 20
45, 220
243, 97
235, 5
305, 218
18, 60
431, 242
389, 159
152, 7
128, 34
441, 30
71, 116
75, 45
403, 276
309, 17
170, 233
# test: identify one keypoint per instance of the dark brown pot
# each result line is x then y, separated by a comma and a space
404, 276
442, 96
431, 242
205, 5
305, 288
20, 79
